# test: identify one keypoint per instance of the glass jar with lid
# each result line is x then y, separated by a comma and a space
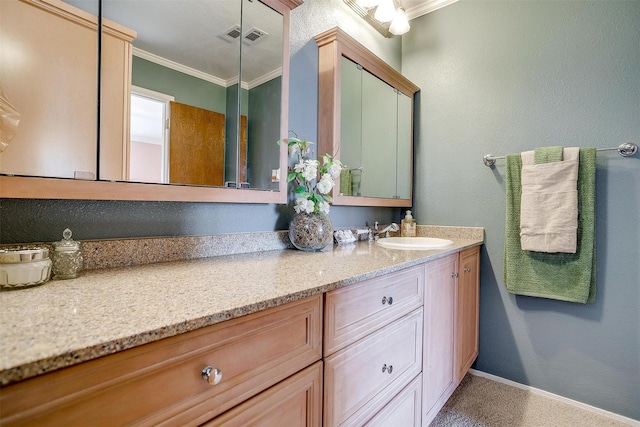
67, 257
24, 266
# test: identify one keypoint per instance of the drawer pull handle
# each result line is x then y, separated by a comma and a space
454, 275
467, 270
212, 375
386, 368
386, 300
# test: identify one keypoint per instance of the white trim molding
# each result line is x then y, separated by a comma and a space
427, 7
556, 397
178, 67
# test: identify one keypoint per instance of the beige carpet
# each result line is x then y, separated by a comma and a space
480, 402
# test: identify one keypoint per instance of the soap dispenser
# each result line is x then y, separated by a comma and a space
408, 226
67, 257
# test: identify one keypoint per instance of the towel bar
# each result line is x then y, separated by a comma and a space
625, 150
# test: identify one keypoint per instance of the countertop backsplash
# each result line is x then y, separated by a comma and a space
112, 253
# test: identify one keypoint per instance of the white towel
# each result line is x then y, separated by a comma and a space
549, 204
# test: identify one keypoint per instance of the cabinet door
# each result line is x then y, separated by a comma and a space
467, 310
295, 402
351, 115
379, 127
365, 376
439, 368
404, 410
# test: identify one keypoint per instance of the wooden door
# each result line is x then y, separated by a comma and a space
467, 310
196, 146
242, 167
438, 368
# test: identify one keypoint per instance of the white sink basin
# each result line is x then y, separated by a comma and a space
413, 243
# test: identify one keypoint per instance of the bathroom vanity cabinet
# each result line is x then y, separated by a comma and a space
162, 383
373, 346
396, 347
451, 326
467, 311
387, 350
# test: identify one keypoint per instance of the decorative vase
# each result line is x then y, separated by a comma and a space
311, 232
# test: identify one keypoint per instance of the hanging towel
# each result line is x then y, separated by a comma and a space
566, 277
549, 204
547, 155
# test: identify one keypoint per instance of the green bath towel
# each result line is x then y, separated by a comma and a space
547, 154
562, 276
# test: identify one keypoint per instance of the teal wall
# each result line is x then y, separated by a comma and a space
263, 153
501, 77
185, 88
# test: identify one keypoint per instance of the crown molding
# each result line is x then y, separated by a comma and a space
427, 7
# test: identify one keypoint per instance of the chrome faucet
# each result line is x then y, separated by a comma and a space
377, 232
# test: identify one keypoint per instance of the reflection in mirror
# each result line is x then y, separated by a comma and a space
190, 75
187, 55
375, 135
262, 59
48, 71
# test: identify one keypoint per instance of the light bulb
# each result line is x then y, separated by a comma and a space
385, 11
400, 23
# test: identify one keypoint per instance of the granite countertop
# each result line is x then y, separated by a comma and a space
62, 323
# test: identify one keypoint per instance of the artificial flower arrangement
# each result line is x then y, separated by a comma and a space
313, 181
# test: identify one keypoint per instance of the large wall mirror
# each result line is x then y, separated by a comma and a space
366, 120
193, 97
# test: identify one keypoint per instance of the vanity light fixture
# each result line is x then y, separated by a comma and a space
388, 17
400, 23
386, 11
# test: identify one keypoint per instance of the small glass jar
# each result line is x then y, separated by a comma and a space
24, 266
67, 257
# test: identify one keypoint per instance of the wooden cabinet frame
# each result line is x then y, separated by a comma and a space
332, 46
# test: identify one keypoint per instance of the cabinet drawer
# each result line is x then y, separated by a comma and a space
357, 310
295, 402
362, 378
404, 410
161, 383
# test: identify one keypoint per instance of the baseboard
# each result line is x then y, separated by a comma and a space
602, 412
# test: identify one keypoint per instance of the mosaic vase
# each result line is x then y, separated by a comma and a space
311, 232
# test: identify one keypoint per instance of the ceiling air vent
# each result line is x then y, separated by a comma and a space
232, 33
254, 34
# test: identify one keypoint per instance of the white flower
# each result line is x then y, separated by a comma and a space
310, 170
304, 205
323, 207
299, 167
293, 149
334, 170
325, 184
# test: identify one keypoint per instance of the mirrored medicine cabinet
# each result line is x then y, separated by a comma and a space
193, 97
365, 118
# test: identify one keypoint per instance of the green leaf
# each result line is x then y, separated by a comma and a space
291, 176
299, 189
